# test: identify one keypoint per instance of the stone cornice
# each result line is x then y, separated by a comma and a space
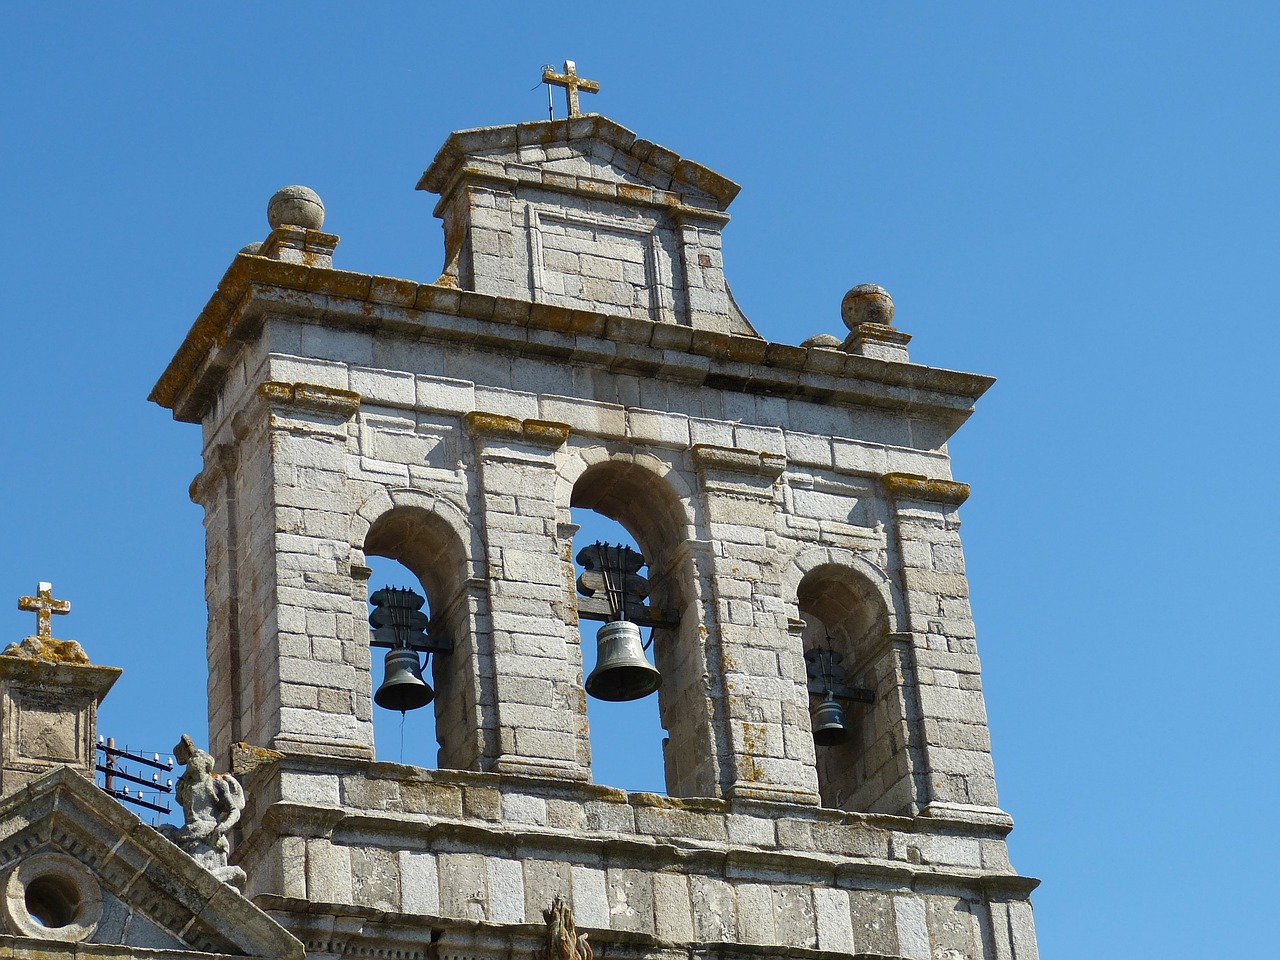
639, 851
311, 397
481, 172
58, 679
542, 433
254, 288
910, 486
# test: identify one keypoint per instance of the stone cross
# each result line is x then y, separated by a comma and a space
43, 605
572, 83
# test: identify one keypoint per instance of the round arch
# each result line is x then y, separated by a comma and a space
646, 494
869, 579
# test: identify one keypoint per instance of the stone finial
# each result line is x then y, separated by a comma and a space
296, 215
42, 645
295, 206
211, 804
866, 303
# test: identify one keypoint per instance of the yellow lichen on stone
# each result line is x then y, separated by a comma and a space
479, 422
48, 650
912, 486
246, 757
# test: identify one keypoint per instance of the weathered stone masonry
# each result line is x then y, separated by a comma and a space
581, 348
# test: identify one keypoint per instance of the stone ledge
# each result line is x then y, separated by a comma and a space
379, 788
358, 931
707, 456
311, 397
90, 680
910, 486
484, 172
968, 813
254, 287
543, 433
395, 831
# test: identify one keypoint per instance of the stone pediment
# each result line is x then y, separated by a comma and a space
79, 870
583, 214
591, 147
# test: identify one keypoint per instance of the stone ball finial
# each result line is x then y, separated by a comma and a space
822, 340
295, 206
866, 303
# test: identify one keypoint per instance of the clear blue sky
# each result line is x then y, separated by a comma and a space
1078, 199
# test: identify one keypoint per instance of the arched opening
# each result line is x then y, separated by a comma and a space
868, 771
645, 507
626, 737
410, 736
415, 548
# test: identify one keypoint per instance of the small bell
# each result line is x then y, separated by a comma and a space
828, 723
622, 672
403, 687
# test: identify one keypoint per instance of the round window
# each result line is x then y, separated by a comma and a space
51, 896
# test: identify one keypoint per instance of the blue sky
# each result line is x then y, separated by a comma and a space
1080, 200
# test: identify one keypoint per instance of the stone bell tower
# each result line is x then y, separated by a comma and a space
794, 504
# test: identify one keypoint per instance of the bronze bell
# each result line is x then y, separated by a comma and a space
828, 723
403, 687
622, 672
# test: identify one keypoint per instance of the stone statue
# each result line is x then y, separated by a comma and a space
563, 940
211, 804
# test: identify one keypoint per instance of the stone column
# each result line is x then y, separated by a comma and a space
49, 696
765, 697
537, 669
955, 743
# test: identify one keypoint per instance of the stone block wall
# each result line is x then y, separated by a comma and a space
489, 447
483, 854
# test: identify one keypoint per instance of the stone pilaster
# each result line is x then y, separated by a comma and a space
540, 702
955, 743
289, 659
765, 698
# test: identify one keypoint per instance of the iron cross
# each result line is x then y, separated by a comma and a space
43, 606
572, 83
